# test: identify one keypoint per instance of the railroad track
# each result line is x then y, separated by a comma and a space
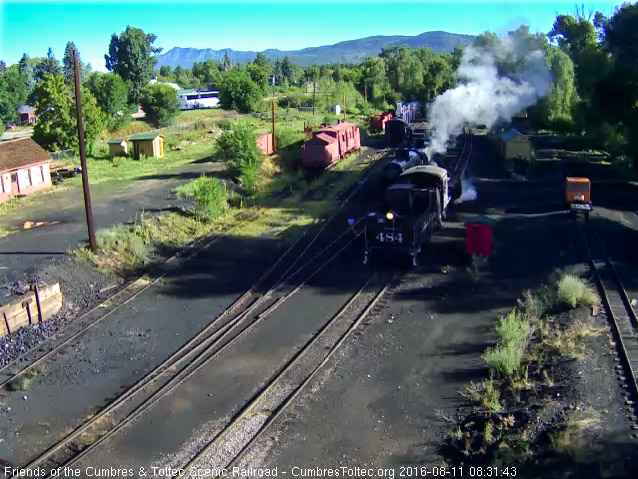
621, 315
94, 316
223, 331
234, 442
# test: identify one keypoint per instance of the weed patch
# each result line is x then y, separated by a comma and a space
575, 292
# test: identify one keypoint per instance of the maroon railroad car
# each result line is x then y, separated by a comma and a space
377, 122
330, 144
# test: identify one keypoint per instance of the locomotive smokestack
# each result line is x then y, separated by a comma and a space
495, 83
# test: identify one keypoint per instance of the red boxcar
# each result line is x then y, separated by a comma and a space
329, 144
377, 122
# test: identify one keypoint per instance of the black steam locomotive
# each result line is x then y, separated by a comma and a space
414, 207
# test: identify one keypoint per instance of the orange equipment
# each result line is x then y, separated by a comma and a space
578, 195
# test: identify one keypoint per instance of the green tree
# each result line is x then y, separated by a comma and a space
68, 64
166, 72
207, 73
259, 74
617, 94
262, 61
238, 150
93, 120
226, 64
3, 66
486, 39
49, 66
131, 56
56, 128
111, 95
160, 104
287, 70
23, 64
14, 91
238, 92
375, 79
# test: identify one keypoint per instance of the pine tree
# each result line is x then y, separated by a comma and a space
68, 63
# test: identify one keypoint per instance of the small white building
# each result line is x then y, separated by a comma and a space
335, 109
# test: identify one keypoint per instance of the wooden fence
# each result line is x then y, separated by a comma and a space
37, 305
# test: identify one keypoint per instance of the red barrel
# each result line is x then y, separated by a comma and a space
479, 236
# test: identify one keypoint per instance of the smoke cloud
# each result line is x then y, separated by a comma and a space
495, 83
468, 192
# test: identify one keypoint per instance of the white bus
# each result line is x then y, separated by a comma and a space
198, 99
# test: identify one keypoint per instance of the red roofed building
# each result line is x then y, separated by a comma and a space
24, 168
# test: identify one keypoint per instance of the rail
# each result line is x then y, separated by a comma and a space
225, 329
621, 314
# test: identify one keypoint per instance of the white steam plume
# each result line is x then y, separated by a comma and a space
468, 191
484, 96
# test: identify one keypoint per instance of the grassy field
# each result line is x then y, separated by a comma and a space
125, 248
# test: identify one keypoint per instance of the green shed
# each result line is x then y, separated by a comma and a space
515, 145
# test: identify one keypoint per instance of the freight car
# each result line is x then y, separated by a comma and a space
329, 144
414, 207
397, 131
377, 122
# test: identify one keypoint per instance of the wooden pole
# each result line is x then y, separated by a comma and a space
274, 142
314, 95
344, 108
365, 92
85, 177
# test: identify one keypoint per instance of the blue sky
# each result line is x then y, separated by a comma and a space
32, 26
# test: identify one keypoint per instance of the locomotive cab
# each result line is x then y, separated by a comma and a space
413, 209
578, 195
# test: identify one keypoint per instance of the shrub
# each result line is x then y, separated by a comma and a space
513, 330
575, 292
209, 195
238, 150
160, 104
127, 241
504, 360
225, 124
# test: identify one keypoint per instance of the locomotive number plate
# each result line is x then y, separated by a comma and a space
390, 237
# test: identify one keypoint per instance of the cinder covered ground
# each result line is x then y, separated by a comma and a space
392, 396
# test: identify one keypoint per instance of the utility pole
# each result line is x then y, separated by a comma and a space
344, 108
365, 92
314, 95
274, 141
85, 176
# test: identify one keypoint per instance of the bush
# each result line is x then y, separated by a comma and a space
209, 195
575, 292
225, 124
160, 104
504, 360
127, 241
238, 150
513, 330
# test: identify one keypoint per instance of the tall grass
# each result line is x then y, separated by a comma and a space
575, 292
513, 331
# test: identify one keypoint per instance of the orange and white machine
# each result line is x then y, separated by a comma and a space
578, 195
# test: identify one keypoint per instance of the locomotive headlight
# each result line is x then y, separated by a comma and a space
389, 216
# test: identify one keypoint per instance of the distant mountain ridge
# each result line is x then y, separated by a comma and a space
350, 51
